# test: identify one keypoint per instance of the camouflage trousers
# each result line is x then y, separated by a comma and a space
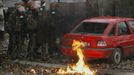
16, 42
32, 45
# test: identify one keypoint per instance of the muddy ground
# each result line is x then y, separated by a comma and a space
51, 65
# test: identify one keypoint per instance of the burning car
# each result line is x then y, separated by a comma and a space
104, 38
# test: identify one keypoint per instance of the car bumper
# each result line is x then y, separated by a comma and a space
93, 53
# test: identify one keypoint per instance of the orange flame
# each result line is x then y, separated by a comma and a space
80, 66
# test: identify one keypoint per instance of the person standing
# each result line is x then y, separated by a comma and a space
16, 38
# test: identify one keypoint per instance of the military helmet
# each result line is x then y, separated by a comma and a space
25, 1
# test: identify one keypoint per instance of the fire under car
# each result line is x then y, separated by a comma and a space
109, 38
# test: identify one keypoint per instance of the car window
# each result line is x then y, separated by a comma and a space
123, 29
91, 28
132, 25
112, 32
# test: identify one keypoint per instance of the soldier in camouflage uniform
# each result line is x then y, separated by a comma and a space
32, 17
21, 22
8, 28
32, 32
16, 34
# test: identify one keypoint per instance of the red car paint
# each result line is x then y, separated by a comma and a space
117, 33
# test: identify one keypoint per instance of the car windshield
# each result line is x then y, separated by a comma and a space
90, 28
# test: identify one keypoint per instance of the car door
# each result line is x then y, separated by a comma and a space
131, 24
124, 37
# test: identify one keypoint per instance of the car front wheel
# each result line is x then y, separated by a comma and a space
116, 56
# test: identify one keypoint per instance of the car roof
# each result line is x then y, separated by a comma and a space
107, 19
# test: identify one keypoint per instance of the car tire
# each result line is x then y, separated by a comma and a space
116, 56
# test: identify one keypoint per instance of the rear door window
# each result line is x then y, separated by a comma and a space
123, 28
131, 25
91, 28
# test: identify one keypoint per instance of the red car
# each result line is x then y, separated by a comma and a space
104, 37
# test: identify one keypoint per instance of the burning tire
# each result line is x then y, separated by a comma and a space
116, 56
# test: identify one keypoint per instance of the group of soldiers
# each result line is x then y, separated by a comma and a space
22, 25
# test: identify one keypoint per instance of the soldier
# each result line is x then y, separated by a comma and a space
32, 17
17, 28
16, 38
9, 29
32, 32
29, 23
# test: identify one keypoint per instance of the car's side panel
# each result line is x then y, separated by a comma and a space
132, 37
124, 40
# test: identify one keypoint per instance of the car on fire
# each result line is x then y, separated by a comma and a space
104, 38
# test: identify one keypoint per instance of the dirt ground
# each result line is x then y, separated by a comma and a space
51, 65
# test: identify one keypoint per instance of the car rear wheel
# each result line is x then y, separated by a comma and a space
116, 56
